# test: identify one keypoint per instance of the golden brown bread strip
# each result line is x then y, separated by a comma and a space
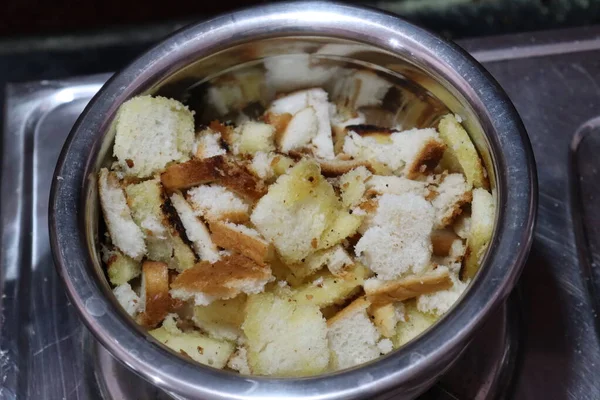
227, 236
383, 292
156, 285
215, 169
219, 279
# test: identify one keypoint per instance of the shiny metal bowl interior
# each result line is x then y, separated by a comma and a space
431, 77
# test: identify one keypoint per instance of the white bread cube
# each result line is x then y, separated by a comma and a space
267, 166
127, 298
461, 155
196, 346
353, 186
252, 137
195, 229
352, 336
214, 202
121, 268
221, 319
150, 133
483, 212
208, 144
398, 241
300, 131
285, 338
124, 232
451, 194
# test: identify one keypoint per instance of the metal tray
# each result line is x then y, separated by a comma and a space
45, 353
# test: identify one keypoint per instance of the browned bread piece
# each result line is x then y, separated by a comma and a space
225, 279
155, 293
279, 122
426, 160
383, 292
218, 169
442, 240
241, 239
337, 166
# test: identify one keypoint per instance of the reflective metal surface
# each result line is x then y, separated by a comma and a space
200, 51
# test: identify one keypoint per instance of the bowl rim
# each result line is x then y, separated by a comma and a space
515, 174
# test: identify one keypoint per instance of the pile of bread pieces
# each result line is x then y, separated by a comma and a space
297, 243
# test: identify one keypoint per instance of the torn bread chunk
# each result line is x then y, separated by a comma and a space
439, 302
341, 118
215, 202
127, 298
195, 230
124, 232
483, 211
295, 212
353, 186
208, 144
217, 169
221, 319
268, 166
413, 324
150, 133
398, 242
232, 92
225, 279
194, 345
285, 338
352, 336
121, 268
165, 236
154, 293
451, 195
386, 317
410, 153
462, 225
461, 155
336, 258
252, 137
300, 131
296, 71
377, 185
317, 100
241, 239
360, 88
239, 361
384, 292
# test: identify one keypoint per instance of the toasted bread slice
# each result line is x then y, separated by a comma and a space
383, 292
195, 230
241, 239
152, 132
127, 298
225, 279
194, 345
222, 319
352, 336
451, 195
215, 169
121, 268
353, 186
215, 202
124, 233
461, 155
285, 338
397, 241
154, 293
483, 210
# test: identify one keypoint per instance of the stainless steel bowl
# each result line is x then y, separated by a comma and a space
433, 74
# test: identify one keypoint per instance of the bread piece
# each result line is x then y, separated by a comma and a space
154, 293
300, 131
384, 292
442, 242
233, 91
327, 289
451, 195
483, 212
462, 225
150, 133
195, 230
267, 166
336, 258
336, 166
278, 121
461, 155
352, 336
353, 186
439, 302
415, 323
165, 236
285, 338
194, 345
241, 239
208, 144
127, 298
341, 118
124, 233
254, 136
121, 268
386, 317
398, 240
317, 99
360, 88
296, 70
221, 319
225, 279
377, 185
344, 225
239, 361
215, 202
296, 211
